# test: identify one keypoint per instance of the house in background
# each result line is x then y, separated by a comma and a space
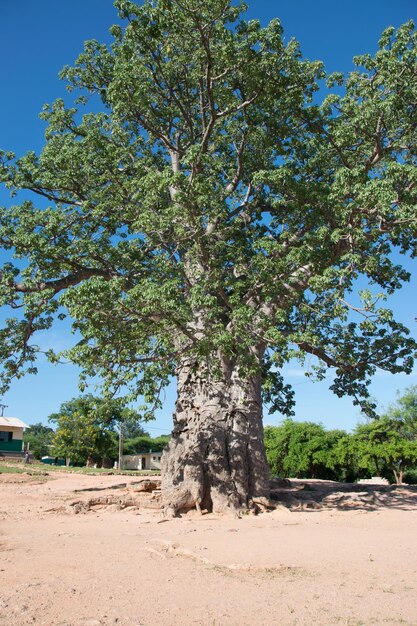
143, 461
11, 434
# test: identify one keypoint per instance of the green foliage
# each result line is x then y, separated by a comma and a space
39, 439
351, 463
86, 428
132, 428
145, 444
383, 443
88, 431
404, 412
386, 446
110, 412
410, 477
303, 450
82, 438
161, 442
212, 210
391, 440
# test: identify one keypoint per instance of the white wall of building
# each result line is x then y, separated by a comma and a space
145, 461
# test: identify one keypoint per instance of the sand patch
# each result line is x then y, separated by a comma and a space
328, 554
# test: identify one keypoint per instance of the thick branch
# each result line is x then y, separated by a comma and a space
323, 356
62, 283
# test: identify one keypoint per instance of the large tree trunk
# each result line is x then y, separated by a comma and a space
216, 457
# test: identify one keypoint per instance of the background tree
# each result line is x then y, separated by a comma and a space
39, 439
81, 439
389, 443
404, 412
142, 443
132, 428
327, 462
303, 450
87, 428
218, 219
381, 444
352, 465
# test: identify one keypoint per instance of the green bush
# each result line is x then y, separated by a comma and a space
410, 477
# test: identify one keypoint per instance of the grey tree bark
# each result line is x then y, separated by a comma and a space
216, 457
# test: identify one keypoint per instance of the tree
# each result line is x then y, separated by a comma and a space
132, 428
142, 443
81, 440
303, 450
86, 428
390, 440
210, 222
404, 412
39, 439
352, 464
381, 443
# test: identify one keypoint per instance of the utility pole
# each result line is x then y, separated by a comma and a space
2, 407
120, 444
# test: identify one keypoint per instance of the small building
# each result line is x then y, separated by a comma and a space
53, 460
143, 461
11, 434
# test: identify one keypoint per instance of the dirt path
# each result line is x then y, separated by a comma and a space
353, 561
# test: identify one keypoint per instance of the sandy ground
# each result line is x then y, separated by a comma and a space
330, 556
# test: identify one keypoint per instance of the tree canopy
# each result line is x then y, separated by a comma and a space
38, 438
305, 450
384, 446
86, 428
212, 212
390, 440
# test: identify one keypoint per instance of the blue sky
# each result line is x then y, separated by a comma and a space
39, 38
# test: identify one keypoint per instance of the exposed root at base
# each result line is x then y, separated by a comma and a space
117, 502
168, 549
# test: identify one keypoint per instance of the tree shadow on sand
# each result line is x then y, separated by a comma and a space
311, 495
